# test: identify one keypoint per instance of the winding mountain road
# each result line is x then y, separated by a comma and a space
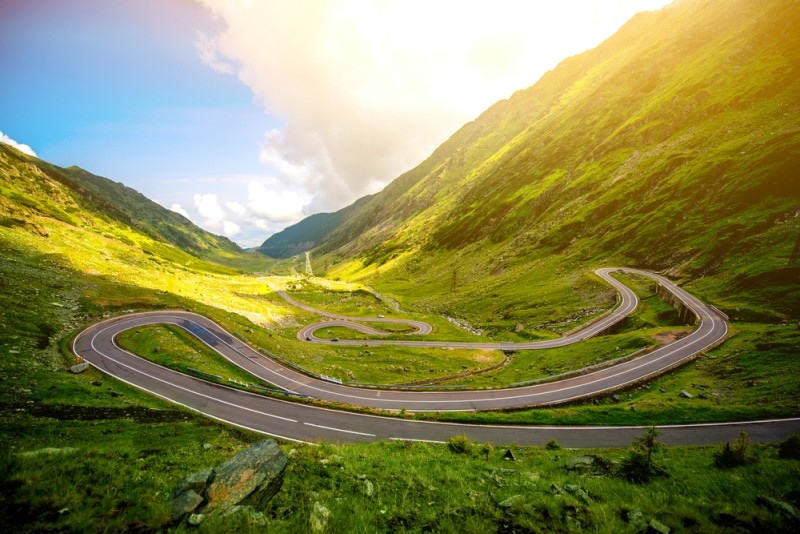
296, 421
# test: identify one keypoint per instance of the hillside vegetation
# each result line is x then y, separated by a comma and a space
672, 146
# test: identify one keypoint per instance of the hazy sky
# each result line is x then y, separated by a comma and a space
247, 115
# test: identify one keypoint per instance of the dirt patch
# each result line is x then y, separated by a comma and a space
70, 412
665, 338
484, 356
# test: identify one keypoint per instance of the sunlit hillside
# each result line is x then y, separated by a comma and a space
671, 146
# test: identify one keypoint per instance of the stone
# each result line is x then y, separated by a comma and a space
196, 482
369, 488
657, 527
580, 463
685, 395
79, 368
509, 455
207, 446
514, 500
789, 512
616, 398
579, 493
185, 503
253, 476
196, 519
320, 515
635, 518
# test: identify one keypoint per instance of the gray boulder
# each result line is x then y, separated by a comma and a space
185, 503
657, 527
196, 482
79, 368
318, 520
685, 395
252, 477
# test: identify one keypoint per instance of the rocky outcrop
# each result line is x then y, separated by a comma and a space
251, 477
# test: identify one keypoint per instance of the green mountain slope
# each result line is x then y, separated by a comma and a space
32, 187
308, 233
674, 145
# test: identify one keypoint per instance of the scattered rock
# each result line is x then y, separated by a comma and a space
580, 463
579, 493
196, 482
196, 519
252, 476
657, 527
512, 501
369, 489
685, 395
206, 446
185, 503
320, 515
97, 383
79, 368
616, 398
784, 509
635, 518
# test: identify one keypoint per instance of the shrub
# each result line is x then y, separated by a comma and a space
552, 445
460, 444
736, 454
790, 447
640, 465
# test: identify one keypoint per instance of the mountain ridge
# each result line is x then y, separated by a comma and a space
30, 180
685, 123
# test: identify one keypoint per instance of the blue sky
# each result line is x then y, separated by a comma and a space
248, 115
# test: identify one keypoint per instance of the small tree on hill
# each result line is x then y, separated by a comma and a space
640, 465
736, 453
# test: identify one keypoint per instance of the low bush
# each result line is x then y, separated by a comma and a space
736, 453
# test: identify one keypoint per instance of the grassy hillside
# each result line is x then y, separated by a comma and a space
306, 234
672, 146
34, 188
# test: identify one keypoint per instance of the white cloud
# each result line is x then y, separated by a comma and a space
207, 50
230, 229
208, 207
215, 218
25, 149
236, 208
177, 208
368, 89
284, 206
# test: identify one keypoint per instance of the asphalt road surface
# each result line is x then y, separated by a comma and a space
296, 421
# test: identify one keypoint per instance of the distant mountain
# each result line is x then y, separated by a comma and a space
306, 234
31, 186
673, 145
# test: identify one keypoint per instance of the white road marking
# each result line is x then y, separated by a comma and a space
340, 430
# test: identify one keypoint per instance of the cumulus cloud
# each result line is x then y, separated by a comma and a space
214, 217
277, 206
25, 149
177, 208
367, 89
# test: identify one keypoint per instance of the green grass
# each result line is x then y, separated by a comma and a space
118, 474
174, 348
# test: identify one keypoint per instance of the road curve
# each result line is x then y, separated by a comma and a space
628, 303
301, 422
